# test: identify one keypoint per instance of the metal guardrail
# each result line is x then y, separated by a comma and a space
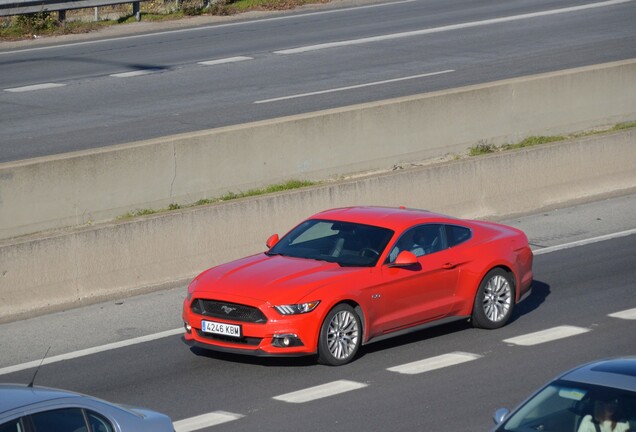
21, 7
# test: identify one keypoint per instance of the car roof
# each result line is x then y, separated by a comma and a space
617, 373
389, 217
14, 396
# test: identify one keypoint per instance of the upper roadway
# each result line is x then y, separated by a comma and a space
75, 95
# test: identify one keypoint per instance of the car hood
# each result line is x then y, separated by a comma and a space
271, 278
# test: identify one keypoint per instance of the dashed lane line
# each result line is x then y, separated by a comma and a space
205, 420
320, 391
629, 314
34, 87
548, 335
433, 363
225, 60
135, 73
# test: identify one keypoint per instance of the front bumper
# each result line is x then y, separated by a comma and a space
192, 343
257, 339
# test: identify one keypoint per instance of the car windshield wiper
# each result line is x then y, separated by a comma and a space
346, 264
322, 259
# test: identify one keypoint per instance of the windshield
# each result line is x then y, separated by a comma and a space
570, 406
345, 243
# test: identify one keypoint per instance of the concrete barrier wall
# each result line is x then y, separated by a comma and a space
92, 186
89, 264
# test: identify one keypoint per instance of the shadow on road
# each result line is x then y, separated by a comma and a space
540, 292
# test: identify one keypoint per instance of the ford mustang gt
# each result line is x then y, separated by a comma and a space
347, 277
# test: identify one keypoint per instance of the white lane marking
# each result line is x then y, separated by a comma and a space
629, 314
151, 337
548, 335
225, 60
205, 420
448, 27
320, 391
584, 242
135, 73
34, 87
211, 27
433, 363
89, 351
353, 87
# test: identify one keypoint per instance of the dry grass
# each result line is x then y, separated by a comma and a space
83, 20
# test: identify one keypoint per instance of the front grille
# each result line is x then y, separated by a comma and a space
228, 311
251, 341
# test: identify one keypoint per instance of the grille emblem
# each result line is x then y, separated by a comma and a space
227, 309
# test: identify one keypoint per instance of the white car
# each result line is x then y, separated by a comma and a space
40, 409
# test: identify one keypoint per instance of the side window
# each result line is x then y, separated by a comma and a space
420, 240
60, 420
12, 426
457, 234
99, 423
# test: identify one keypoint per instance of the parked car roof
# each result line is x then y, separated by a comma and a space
14, 396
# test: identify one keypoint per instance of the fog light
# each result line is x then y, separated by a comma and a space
286, 341
188, 327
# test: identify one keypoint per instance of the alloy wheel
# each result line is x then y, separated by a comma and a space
342, 335
497, 298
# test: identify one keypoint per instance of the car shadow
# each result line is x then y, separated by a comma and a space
303, 361
415, 337
540, 292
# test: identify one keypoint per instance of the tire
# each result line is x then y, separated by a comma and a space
494, 301
340, 336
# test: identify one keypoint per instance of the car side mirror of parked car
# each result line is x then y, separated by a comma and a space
405, 259
271, 241
500, 415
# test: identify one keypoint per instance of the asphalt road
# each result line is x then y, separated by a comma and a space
584, 274
73, 96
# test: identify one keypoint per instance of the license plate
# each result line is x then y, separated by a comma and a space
221, 328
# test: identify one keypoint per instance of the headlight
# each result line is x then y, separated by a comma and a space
295, 309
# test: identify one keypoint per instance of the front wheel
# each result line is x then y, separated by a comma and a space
494, 300
340, 336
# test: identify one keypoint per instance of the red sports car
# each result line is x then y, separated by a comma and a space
347, 277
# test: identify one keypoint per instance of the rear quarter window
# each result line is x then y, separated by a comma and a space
456, 235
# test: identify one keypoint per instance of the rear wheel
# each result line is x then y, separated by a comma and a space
340, 336
494, 300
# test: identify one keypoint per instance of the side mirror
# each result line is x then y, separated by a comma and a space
405, 259
271, 241
500, 415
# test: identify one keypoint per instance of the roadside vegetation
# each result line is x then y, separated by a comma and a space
289, 185
43, 24
484, 148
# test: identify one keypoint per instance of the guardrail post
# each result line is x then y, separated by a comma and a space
136, 11
61, 15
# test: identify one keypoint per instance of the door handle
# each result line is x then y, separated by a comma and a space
449, 265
